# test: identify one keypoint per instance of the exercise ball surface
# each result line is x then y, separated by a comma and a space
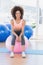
28, 32
17, 47
4, 32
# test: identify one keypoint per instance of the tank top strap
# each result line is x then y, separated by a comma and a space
19, 23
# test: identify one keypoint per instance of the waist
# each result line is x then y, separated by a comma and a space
18, 32
17, 27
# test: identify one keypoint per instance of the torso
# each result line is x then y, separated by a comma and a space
18, 26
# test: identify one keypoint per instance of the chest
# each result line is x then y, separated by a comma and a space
18, 25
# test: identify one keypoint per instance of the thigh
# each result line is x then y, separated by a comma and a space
13, 38
22, 40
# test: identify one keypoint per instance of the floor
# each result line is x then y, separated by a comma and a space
18, 60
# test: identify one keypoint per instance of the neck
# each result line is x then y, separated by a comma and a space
17, 19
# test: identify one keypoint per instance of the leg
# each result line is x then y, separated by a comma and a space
23, 46
13, 42
12, 45
23, 43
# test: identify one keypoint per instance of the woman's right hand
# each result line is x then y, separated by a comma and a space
17, 38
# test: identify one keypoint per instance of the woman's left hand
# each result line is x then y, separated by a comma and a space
19, 38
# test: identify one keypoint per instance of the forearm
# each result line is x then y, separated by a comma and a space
23, 25
15, 34
21, 34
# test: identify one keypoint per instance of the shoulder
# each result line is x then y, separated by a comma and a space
23, 21
12, 22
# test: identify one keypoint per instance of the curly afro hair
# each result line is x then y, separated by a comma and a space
17, 8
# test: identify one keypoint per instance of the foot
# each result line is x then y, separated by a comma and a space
12, 55
23, 55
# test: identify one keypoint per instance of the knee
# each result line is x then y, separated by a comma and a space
22, 40
13, 40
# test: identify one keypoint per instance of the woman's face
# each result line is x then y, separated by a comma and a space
18, 14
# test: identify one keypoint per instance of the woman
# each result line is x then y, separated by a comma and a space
17, 24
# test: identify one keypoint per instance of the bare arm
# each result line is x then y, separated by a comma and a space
22, 27
12, 24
